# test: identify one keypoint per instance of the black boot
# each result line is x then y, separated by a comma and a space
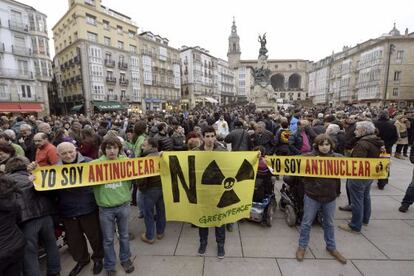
202, 249
220, 251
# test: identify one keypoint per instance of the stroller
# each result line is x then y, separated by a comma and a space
264, 199
291, 201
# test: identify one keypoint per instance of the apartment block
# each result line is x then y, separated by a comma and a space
97, 63
376, 72
161, 77
25, 65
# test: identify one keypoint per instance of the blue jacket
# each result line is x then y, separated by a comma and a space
293, 124
76, 202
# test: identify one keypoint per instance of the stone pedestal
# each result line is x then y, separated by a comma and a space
262, 98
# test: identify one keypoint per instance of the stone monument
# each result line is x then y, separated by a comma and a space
262, 91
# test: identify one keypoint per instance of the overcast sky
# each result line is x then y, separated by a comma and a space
300, 29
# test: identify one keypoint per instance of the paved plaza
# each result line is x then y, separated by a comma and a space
385, 247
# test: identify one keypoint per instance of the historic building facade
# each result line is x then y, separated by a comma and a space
25, 64
97, 63
199, 77
289, 77
161, 79
376, 72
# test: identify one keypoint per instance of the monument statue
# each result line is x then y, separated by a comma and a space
263, 50
263, 96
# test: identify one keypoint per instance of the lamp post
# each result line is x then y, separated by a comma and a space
390, 51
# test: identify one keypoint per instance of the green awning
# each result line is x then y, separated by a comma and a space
76, 108
108, 106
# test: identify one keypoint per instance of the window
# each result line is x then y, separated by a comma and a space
131, 34
122, 77
134, 62
107, 41
396, 92
41, 22
397, 75
23, 67
42, 48
120, 45
119, 29
34, 44
90, 19
25, 91
90, 2
3, 92
92, 37
105, 24
32, 22
135, 76
132, 48
400, 54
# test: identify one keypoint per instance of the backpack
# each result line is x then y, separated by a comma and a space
284, 135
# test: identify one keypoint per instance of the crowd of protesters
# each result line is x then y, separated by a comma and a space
101, 213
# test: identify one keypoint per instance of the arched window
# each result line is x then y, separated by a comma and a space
294, 81
278, 82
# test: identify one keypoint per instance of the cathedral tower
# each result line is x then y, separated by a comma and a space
233, 54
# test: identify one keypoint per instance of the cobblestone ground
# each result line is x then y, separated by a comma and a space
385, 247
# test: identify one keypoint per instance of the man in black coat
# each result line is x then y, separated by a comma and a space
165, 143
263, 137
388, 133
79, 212
239, 138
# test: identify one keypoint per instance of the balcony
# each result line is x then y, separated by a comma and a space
110, 63
21, 51
123, 82
111, 80
18, 26
16, 74
122, 65
146, 53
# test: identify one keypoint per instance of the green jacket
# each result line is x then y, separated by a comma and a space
112, 194
19, 150
138, 144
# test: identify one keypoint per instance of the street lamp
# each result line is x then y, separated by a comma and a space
390, 51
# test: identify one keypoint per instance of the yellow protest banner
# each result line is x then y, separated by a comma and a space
330, 167
94, 173
208, 188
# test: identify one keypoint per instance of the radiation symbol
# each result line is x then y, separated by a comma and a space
214, 176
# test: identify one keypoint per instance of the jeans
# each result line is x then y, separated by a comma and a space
311, 208
361, 202
153, 198
108, 217
403, 148
220, 235
409, 194
42, 227
140, 202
